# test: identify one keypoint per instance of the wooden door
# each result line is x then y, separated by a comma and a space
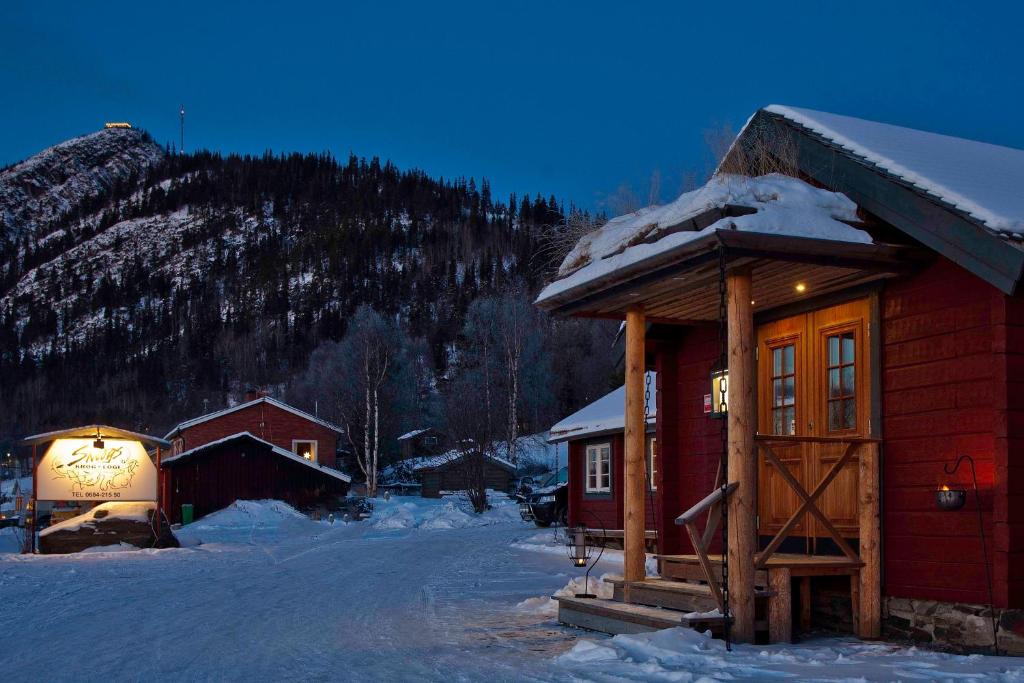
813, 380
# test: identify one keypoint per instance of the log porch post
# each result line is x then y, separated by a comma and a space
870, 589
634, 549
742, 535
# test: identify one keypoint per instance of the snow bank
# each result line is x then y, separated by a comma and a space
10, 540
548, 606
135, 512
451, 512
783, 206
246, 513
681, 654
239, 521
114, 548
553, 542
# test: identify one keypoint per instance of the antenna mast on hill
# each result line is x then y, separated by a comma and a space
181, 142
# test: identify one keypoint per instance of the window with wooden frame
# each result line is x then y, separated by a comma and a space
841, 374
652, 462
307, 449
783, 389
599, 468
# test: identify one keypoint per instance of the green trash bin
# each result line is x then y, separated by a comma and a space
186, 513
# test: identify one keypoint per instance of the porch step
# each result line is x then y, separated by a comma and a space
687, 568
676, 595
613, 617
610, 616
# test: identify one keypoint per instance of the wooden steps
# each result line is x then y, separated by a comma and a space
676, 595
610, 616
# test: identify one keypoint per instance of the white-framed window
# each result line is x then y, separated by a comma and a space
652, 462
599, 468
307, 449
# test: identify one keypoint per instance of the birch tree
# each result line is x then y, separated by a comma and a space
367, 383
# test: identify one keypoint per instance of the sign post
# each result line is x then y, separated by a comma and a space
94, 464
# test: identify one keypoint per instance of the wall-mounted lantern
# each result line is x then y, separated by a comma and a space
949, 498
719, 393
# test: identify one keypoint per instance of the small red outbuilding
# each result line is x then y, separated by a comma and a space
263, 448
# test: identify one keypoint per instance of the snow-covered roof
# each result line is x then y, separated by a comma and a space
983, 180
414, 433
329, 471
241, 406
772, 204
603, 416
430, 462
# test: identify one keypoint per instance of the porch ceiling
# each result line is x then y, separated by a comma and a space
684, 287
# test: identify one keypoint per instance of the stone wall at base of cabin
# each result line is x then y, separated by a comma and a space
956, 627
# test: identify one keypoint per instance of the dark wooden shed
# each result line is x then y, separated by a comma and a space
245, 467
451, 472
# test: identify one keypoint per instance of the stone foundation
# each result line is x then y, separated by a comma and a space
956, 627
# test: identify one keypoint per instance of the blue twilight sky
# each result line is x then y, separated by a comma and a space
575, 99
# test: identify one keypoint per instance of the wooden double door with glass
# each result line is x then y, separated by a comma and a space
813, 381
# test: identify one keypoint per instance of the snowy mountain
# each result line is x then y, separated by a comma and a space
38, 192
138, 286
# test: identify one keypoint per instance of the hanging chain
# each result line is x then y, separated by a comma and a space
650, 463
723, 364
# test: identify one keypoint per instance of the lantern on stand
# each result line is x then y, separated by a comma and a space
580, 553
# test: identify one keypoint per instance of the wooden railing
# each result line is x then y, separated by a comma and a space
867, 449
712, 504
809, 501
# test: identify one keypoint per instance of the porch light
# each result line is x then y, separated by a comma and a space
950, 499
800, 288
719, 393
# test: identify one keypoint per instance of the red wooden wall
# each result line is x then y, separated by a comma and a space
949, 347
594, 510
689, 441
269, 423
242, 470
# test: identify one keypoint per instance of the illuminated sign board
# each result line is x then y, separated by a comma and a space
74, 469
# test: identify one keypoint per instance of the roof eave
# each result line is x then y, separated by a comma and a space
872, 257
930, 220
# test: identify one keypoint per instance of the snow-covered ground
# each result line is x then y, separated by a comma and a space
424, 591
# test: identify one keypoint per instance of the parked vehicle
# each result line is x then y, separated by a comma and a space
548, 503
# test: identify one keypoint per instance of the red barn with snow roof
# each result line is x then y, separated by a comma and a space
263, 448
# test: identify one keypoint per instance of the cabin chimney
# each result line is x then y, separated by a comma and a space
252, 393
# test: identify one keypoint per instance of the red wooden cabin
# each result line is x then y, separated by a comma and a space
263, 448
866, 300
594, 435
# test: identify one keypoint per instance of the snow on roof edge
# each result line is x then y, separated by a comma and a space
330, 471
867, 151
192, 422
603, 416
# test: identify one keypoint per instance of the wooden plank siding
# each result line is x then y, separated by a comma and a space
242, 469
689, 442
454, 477
268, 422
941, 388
596, 510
